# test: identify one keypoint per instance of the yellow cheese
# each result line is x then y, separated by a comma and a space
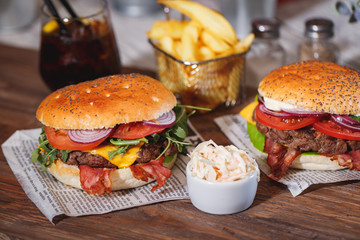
120, 160
248, 111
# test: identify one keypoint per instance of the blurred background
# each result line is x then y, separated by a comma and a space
20, 25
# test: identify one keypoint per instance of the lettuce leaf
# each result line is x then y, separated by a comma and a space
256, 137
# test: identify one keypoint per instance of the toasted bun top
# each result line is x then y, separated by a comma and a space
105, 102
318, 86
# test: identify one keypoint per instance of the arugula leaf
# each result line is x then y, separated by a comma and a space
180, 132
126, 142
194, 107
45, 154
180, 127
120, 150
124, 145
64, 154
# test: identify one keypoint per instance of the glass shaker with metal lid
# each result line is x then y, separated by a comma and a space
317, 44
266, 53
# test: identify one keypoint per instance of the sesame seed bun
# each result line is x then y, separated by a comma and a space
106, 102
318, 86
121, 178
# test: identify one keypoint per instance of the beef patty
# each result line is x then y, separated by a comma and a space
147, 152
308, 139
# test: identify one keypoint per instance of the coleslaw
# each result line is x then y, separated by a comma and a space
216, 163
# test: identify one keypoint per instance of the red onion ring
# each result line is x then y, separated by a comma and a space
281, 114
165, 120
346, 122
305, 113
260, 99
291, 113
347, 119
89, 136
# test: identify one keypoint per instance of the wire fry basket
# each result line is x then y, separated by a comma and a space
207, 83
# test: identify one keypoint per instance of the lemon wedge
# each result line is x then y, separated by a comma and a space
50, 26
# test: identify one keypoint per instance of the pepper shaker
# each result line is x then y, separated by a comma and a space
317, 44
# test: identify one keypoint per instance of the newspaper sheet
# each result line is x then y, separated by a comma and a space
235, 128
53, 199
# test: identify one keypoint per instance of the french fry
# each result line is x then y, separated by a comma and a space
206, 53
225, 53
177, 49
171, 28
189, 41
211, 20
244, 44
207, 35
167, 44
196, 24
215, 44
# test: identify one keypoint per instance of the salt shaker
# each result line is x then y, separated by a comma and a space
266, 53
317, 44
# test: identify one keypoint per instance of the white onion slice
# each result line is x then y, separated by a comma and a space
165, 120
89, 136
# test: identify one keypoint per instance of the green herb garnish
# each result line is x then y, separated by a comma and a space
124, 144
45, 154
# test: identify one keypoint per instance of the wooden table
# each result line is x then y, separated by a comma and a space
330, 211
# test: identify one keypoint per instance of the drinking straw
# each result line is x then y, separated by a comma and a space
55, 14
71, 12
69, 8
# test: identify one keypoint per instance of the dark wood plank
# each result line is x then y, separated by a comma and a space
330, 211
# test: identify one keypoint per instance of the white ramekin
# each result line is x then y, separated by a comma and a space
221, 197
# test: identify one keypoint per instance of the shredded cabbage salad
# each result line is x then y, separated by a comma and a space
216, 163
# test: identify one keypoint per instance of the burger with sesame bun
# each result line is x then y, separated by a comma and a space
307, 116
112, 133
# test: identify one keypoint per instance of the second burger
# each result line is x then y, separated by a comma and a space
308, 117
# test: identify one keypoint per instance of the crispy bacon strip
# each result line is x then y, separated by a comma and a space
279, 158
152, 169
95, 180
350, 160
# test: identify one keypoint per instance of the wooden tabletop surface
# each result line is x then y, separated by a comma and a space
328, 211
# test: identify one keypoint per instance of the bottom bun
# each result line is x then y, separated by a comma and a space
122, 178
315, 162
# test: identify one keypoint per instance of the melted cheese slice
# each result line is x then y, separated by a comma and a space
121, 160
247, 112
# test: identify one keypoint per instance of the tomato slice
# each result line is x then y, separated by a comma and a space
58, 138
135, 130
332, 129
284, 123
